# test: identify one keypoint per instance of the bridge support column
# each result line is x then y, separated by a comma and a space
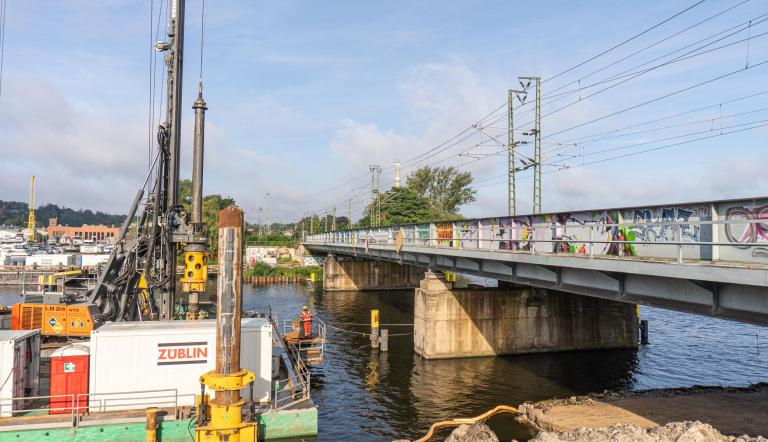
453, 323
369, 275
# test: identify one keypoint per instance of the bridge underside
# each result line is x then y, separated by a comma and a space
729, 291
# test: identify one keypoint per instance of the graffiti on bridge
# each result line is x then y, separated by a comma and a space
748, 235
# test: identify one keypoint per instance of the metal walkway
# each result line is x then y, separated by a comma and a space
707, 258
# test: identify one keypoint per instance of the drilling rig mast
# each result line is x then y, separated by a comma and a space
163, 223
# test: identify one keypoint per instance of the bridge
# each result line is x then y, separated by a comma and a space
708, 258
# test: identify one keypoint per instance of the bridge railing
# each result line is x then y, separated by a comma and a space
717, 231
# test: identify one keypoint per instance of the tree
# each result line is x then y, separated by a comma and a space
446, 188
15, 213
400, 206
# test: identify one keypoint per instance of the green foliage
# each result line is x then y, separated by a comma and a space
400, 206
446, 188
272, 239
15, 213
262, 269
212, 204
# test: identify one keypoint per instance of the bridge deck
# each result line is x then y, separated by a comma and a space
707, 258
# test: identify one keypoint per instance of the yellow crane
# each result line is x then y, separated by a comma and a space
31, 221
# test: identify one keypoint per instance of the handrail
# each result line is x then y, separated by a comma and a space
523, 234
76, 399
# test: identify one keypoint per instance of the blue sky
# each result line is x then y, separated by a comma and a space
303, 96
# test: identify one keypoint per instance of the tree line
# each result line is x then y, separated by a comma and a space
429, 194
15, 213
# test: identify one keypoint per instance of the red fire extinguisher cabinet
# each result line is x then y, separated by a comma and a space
69, 379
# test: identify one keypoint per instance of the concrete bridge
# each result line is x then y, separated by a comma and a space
557, 270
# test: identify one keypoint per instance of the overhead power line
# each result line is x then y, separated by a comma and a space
645, 48
683, 57
670, 94
3, 31
634, 37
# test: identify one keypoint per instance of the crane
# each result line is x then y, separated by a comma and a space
31, 219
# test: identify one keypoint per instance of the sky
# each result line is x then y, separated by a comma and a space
303, 96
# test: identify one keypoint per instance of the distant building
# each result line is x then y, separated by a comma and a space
85, 232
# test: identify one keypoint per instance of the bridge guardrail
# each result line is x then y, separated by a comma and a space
724, 231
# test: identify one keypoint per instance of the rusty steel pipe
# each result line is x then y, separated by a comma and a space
229, 289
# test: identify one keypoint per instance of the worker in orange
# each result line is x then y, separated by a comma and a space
306, 319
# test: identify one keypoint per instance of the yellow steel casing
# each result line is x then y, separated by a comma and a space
243, 432
225, 420
227, 382
195, 272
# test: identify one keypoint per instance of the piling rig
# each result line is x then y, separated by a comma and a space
138, 282
163, 223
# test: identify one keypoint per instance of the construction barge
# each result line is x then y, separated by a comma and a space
101, 388
151, 380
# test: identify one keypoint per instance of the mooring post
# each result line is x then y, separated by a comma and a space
151, 427
375, 328
644, 332
384, 339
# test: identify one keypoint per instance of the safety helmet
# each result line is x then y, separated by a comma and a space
305, 308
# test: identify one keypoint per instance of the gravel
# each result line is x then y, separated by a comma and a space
672, 432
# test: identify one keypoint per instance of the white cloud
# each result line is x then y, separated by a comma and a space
83, 158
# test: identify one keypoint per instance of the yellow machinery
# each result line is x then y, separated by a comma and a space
221, 419
54, 319
195, 277
31, 220
49, 283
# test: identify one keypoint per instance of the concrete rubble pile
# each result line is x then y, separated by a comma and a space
671, 432
472, 433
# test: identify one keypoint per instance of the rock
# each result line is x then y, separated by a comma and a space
671, 432
472, 433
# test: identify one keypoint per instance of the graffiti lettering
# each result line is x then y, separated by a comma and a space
747, 234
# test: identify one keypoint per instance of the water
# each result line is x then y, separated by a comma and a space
364, 396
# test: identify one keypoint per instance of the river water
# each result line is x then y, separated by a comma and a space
365, 396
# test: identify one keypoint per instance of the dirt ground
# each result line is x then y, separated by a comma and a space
732, 411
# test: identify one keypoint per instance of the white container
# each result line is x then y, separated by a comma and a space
91, 248
131, 362
19, 368
92, 260
50, 260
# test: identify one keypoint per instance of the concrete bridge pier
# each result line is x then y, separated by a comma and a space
362, 274
454, 322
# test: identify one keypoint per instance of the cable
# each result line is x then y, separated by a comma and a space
151, 72
656, 120
202, 38
548, 98
3, 30
651, 45
625, 41
719, 134
708, 120
632, 76
679, 91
